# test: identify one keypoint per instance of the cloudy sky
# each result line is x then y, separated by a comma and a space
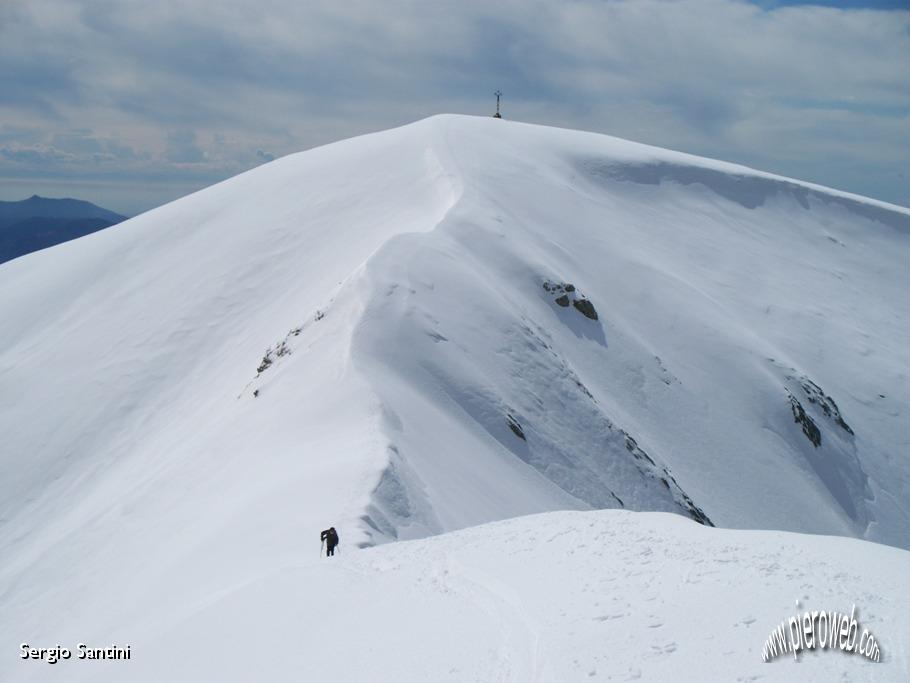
131, 103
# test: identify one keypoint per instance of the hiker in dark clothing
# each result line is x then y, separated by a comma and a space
330, 537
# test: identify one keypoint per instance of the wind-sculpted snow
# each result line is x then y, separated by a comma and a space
751, 190
474, 319
379, 335
471, 354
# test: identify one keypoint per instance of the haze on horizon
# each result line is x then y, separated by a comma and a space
130, 105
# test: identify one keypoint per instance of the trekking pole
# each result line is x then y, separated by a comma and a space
321, 544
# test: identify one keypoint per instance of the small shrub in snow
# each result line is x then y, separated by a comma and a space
266, 361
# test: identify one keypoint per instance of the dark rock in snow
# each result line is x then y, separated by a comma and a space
569, 295
810, 429
586, 308
636, 451
818, 397
696, 512
516, 428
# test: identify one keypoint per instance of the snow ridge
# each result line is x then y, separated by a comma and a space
455, 322
509, 383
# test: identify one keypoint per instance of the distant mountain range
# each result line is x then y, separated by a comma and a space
38, 222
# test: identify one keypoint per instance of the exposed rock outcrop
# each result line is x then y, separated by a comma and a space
566, 294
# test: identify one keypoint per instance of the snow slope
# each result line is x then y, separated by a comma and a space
422, 374
561, 596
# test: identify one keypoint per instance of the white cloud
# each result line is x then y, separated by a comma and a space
797, 89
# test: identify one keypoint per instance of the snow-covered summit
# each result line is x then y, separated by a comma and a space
454, 322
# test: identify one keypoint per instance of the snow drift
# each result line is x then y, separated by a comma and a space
434, 327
